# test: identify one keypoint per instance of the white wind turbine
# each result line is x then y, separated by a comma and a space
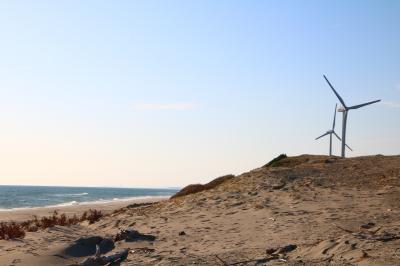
332, 132
345, 111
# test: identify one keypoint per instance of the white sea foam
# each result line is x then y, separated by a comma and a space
73, 194
100, 201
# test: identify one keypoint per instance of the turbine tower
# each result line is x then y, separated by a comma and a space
345, 111
332, 132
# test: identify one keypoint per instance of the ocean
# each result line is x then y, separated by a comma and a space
20, 197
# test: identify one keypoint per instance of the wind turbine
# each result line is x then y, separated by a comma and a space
345, 111
332, 132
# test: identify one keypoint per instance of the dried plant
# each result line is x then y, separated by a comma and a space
11, 230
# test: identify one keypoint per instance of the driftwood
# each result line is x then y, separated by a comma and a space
133, 235
98, 260
371, 235
221, 260
384, 237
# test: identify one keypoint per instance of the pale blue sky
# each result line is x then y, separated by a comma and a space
166, 93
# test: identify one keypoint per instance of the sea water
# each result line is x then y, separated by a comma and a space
17, 197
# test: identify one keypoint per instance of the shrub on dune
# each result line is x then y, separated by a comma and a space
94, 216
11, 231
191, 189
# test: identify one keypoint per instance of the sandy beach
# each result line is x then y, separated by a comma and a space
306, 210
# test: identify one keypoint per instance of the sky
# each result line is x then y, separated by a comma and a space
168, 93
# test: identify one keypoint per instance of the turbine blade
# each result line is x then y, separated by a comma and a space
341, 140
334, 118
364, 104
349, 147
337, 94
334, 133
323, 135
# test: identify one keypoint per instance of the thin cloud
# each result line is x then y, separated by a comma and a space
158, 106
391, 104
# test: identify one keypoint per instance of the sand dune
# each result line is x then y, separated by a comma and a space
305, 210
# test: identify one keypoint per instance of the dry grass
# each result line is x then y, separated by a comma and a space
93, 216
276, 160
17, 230
284, 161
191, 189
11, 231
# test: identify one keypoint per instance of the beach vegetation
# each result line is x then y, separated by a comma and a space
13, 230
195, 188
276, 160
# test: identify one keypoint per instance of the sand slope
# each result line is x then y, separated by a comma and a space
316, 203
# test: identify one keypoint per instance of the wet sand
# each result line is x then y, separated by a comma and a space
28, 213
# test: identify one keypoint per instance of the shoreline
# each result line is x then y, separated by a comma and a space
23, 214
